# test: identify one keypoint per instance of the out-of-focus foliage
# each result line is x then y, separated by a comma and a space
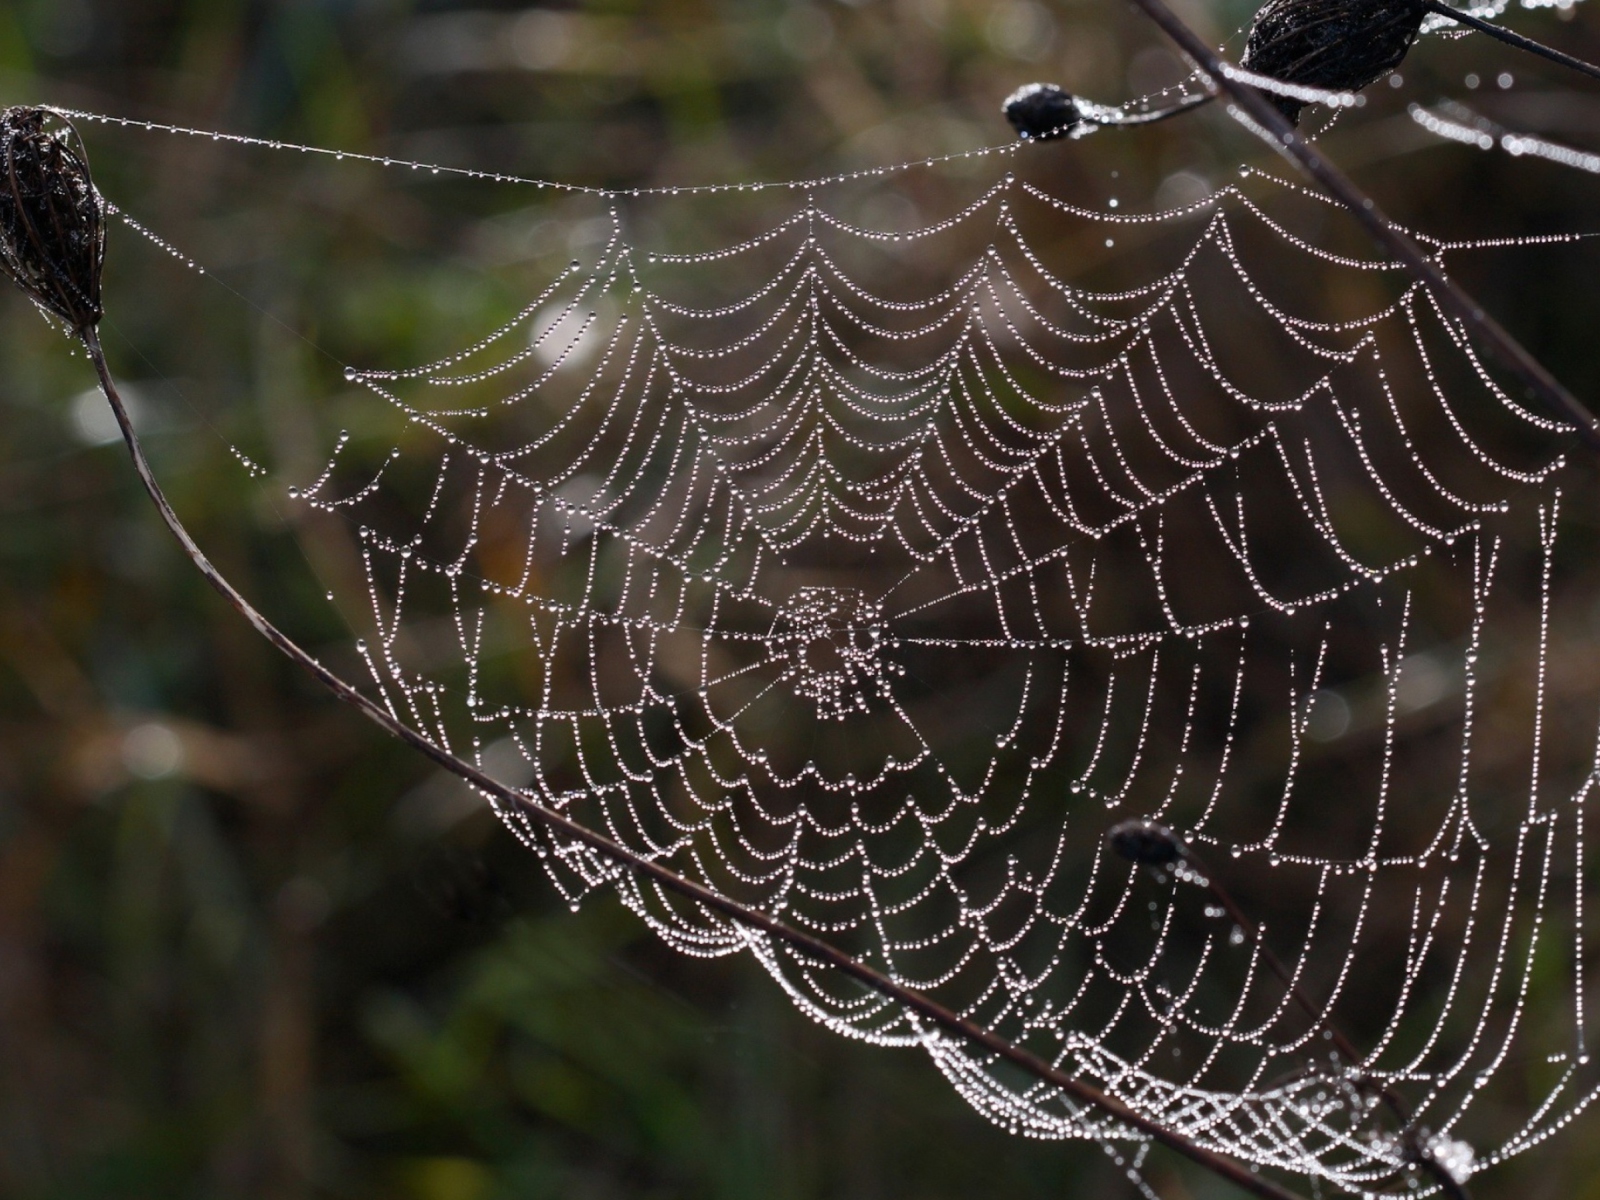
249, 948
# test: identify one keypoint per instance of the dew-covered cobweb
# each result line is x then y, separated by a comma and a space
866, 548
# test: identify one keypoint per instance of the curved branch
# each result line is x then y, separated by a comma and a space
752, 919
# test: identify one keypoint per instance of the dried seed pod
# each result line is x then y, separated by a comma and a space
52, 220
1042, 111
1336, 45
1146, 842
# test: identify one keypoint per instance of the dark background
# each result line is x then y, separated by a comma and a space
240, 955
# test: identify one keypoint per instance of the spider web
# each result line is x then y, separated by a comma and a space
869, 573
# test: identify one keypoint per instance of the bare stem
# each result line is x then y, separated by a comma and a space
1454, 300
1451, 297
1512, 39
1150, 117
751, 919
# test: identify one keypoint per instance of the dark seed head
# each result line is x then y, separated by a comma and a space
1336, 45
52, 220
1041, 111
1146, 842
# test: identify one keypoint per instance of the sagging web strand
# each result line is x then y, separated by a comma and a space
875, 610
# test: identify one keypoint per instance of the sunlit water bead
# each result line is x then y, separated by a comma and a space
156, 240
253, 468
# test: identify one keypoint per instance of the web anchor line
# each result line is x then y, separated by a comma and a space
1264, 119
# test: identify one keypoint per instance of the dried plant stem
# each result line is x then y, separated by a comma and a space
1176, 109
752, 919
1451, 297
1454, 300
1512, 39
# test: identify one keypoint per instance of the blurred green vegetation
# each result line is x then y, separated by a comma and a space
229, 964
